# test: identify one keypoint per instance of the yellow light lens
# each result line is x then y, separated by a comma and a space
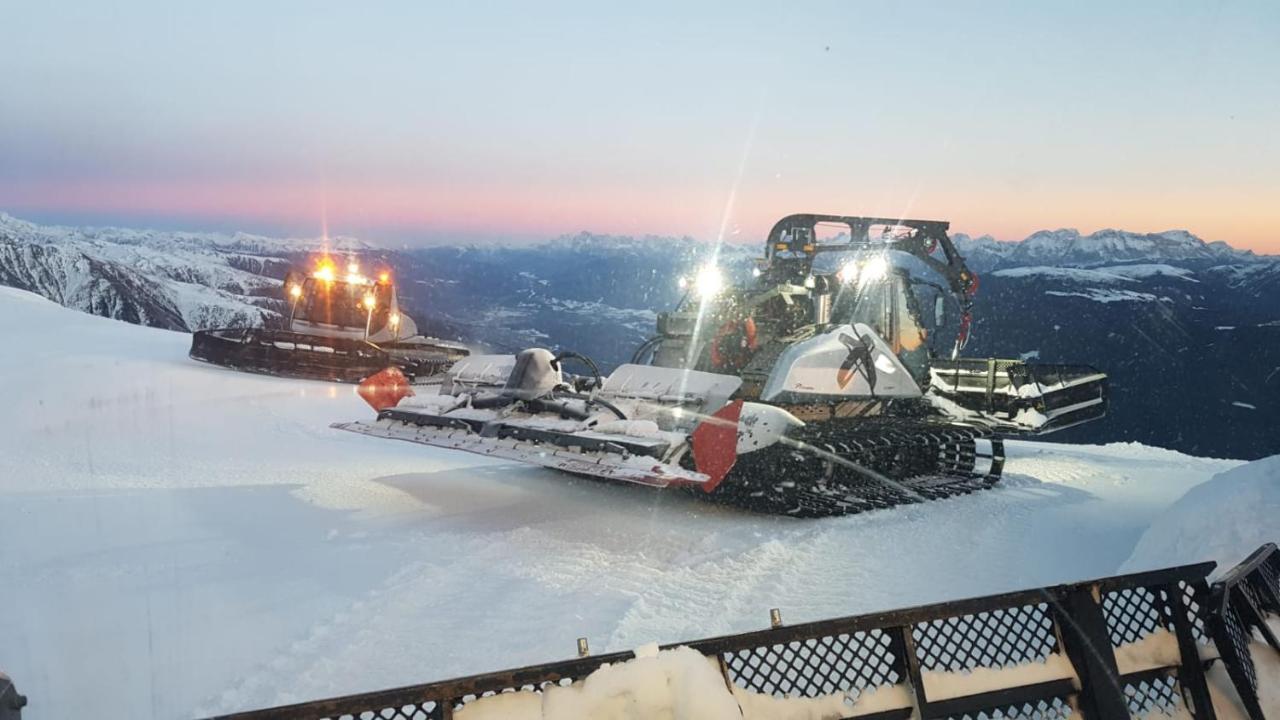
325, 273
384, 277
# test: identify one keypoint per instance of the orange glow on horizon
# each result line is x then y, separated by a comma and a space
1243, 218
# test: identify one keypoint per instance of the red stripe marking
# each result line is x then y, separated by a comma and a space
715, 444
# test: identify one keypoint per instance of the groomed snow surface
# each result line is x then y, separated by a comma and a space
178, 539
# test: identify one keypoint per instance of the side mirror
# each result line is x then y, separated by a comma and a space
939, 310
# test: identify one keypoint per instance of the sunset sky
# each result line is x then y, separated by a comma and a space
421, 122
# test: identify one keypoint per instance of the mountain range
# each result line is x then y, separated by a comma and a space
1188, 330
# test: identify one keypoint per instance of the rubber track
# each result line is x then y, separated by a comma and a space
910, 461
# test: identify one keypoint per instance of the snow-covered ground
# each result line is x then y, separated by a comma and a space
179, 539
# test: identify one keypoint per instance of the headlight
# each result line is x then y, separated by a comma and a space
370, 302
708, 282
295, 291
874, 269
849, 272
395, 319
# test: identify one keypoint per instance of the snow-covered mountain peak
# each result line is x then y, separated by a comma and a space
208, 243
1068, 247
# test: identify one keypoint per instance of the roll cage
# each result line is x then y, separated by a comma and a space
793, 246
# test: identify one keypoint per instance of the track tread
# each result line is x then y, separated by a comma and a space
923, 460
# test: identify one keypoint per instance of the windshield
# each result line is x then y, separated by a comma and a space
887, 305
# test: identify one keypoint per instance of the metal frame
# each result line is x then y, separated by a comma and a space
1240, 604
928, 233
1082, 621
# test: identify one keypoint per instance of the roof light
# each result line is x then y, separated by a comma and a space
384, 277
324, 272
353, 267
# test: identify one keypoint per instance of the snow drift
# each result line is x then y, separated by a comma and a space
1222, 520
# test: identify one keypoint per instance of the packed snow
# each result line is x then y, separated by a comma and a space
179, 539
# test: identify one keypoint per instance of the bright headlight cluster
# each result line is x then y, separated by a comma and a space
864, 273
325, 272
848, 272
708, 282
874, 269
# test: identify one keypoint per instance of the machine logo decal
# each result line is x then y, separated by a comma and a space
859, 360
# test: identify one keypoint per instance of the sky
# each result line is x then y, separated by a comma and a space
421, 122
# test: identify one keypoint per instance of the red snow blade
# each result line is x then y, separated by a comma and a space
385, 389
715, 444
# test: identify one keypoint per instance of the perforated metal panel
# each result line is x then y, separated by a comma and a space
1237, 637
424, 711
1135, 613
995, 639
1056, 708
1154, 697
848, 663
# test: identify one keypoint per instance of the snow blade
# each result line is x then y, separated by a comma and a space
715, 444
595, 454
288, 354
1031, 398
384, 389
311, 357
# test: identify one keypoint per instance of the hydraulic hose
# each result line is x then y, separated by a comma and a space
595, 371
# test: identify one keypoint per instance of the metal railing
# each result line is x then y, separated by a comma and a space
919, 650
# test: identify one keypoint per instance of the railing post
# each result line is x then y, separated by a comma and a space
1191, 674
1083, 630
902, 639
